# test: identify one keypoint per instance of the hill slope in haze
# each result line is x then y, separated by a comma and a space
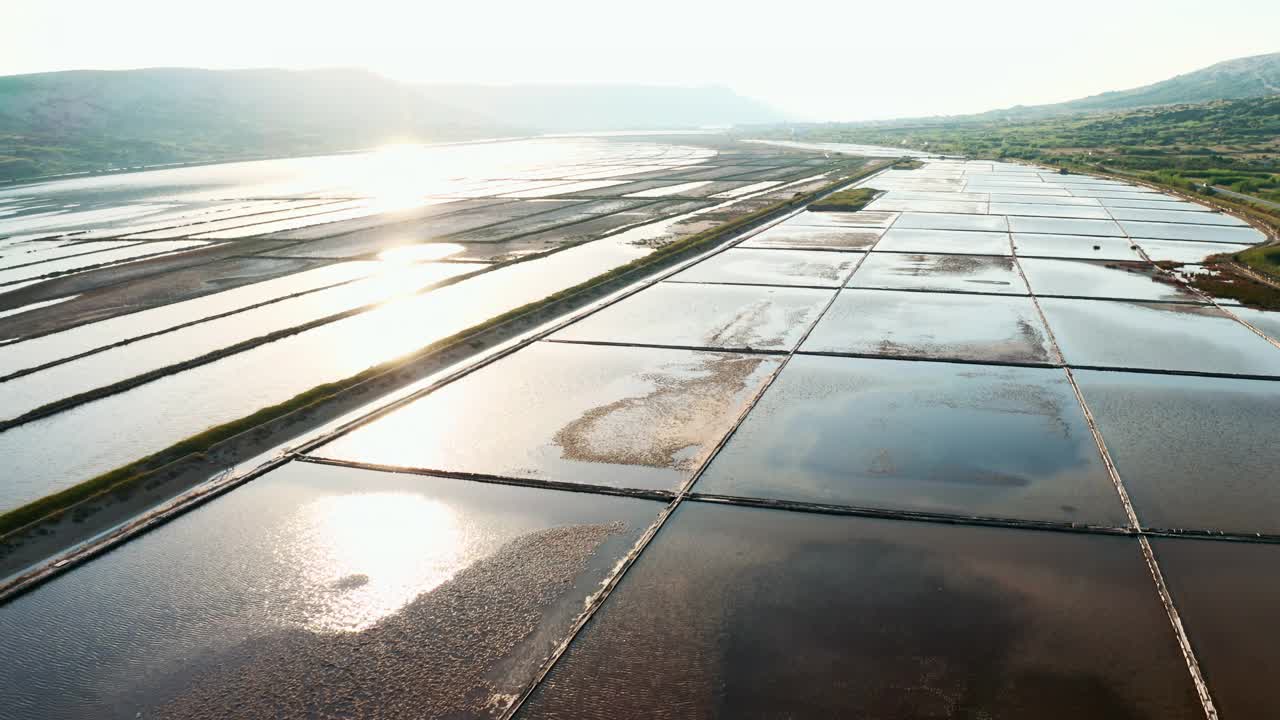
93, 120
96, 120
1249, 77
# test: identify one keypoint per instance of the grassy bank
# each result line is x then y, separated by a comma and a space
845, 200
135, 474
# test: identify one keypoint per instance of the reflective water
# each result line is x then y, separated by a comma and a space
1117, 280
714, 316
1153, 203
1183, 251
860, 219
773, 267
1125, 193
1058, 211
39, 251
670, 190
1034, 192
1199, 233
1046, 201
132, 251
1174, 216
624, 417
816, 238
565, 189
1064, 226
746, 189
745, 612
958, 273
1187, 448
387, 175
361, 210
936, 437
33, 306
946, 221
49, 348
112, 431
29, 392
945, 241
321, 208
845, 148
1074, 246
1226, 594
894, 202
933, 325
1157, 336
299, 592
1268, 321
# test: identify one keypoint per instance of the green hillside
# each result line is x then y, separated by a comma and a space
1230, 143
1248, 77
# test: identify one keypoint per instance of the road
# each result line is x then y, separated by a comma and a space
1247, 198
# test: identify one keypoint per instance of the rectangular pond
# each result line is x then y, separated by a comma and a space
904, 619
952, 273
942, 326
711, 316
1157, 336
444, 595
622, 417
967, 440
1187, 448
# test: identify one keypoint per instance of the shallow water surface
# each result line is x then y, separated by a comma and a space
712, 316
304, 590
622, 417
935, 437
941, 326
746, 612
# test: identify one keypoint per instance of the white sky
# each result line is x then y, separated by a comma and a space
840, 60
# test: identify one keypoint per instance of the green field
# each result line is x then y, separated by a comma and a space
1233, 144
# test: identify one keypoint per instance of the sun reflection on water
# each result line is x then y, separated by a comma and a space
420, 252
355, 559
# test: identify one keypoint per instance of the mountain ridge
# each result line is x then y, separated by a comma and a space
1235, 79
89, 120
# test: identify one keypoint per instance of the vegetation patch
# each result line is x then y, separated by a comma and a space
124, 479
1223, 278
1230, 144
1264, 259
908, 164
845, 200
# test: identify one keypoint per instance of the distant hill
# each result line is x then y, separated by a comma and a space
95, 120
1248, 77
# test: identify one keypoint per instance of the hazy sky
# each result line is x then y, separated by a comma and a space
837, 60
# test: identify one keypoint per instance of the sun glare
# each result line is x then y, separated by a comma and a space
420, 253
363, 557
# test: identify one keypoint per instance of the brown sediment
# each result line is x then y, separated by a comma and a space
926, 265
822, 271
1027, 346
671, 426
741, 330
423, 661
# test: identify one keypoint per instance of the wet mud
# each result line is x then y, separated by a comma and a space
682, 413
